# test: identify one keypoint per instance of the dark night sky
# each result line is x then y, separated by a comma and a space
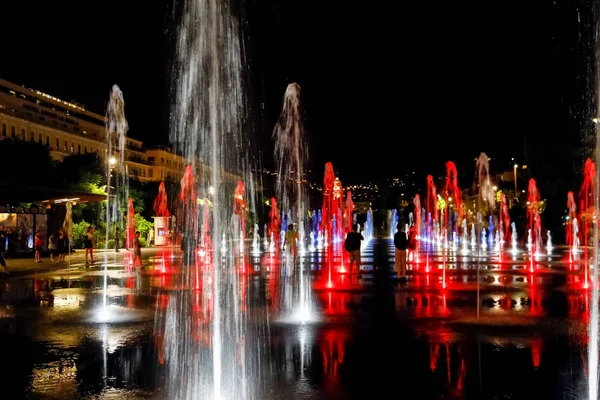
384, 88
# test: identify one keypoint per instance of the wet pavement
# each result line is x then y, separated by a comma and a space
526, 336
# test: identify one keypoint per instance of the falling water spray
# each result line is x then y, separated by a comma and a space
486, 194
209, 128
593, 327
116, 140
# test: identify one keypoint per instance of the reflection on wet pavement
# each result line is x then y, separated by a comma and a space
372, 336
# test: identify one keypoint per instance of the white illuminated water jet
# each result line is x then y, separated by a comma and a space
209, 127
291, 153
549, 243
593, 327
256, 241
116, 141
513, 238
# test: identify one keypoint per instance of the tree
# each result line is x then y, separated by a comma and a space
29, 163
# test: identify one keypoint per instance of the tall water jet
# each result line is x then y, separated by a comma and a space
453, 201
161, 208
592, 186
570, 237
116, 139
210, 130
418, 224
274, 226
130, 223
349, 211
485, 194
431, 206
329, 205
504, 219
291, 153
587, 210
240, 212
533, 212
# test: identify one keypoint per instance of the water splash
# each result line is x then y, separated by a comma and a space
209, 129
160, 202
533, 212
117, 187
291, 153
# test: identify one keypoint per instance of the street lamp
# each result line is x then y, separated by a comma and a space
211, 190
112, 162
515, 171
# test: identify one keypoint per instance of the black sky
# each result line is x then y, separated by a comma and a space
386, 87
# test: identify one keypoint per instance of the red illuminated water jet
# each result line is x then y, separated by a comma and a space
338, 198
328, 211
572, 214
187, 197
431, 206
586, 208
349, 211
160, 202
275, 223
130, 223
417, 204
240, 209
453, 198
533, 212
431, 203
205, 239
414, 253
452, 189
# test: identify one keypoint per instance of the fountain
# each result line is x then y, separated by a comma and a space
116, 138
240, 212
513, 238
256, 241
592, 186
349, 211
548, 243
290, 156
417, 204
393, 223
130, 224
571, 215
160, 202
431, 205
505, 224
533, 212
274, 226
587, 210
208, 128
487, 195
452, 201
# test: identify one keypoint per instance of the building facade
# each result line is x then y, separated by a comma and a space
68, 128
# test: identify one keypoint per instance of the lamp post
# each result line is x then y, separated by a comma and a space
515, 177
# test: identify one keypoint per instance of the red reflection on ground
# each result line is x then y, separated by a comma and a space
333, 343
335, 303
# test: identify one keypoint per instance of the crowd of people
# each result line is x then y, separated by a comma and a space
58, 246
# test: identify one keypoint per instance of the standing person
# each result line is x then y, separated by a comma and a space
3, 240
63, 245
88, 243
38, 244
401, 244
53, 247
137, 249
290, 241
352, 246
